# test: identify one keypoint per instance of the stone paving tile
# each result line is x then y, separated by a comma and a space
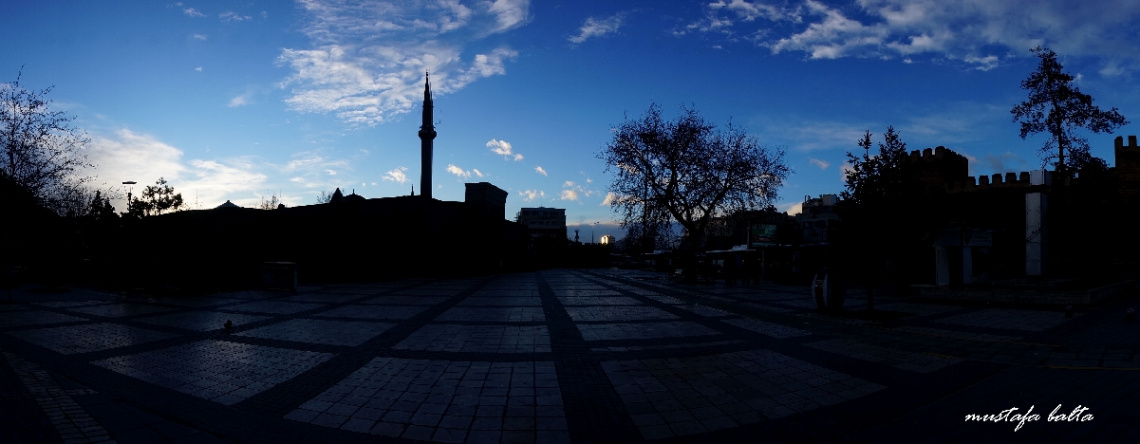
772, 329
252, 294
479, 338
682, 345
800, 302
197, 301
767, 307
666, 299
120, 310
505, 301
221, 371
273, 307
956, 333
1009, 319
438, 291
444, 401
201, 320
506, 293
345, 333
643, 330
617, 313
493, 314
24, 318
598, 300
583, 291
322, 297
706, 311
405, 300
917, 309
88, 338
915, 362
379, 312
66, 304
686, 396
672, 378
70, 420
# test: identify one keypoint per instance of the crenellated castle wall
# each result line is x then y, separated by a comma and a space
1128, 168
987, 182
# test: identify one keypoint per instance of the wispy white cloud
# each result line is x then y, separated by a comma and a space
540, 170
214, 182
199, 69
503, 148
808, 135
230, 16
822, 164
531, 195
310, 169
597, 27
793, 209
240, 100
125, 155
978, 34
610, 198
193, 12
843, 170
508, 14
398, 175
367, 60
574, 191
201, 37
462, 173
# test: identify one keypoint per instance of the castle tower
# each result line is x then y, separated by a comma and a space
427, 135
1128, 168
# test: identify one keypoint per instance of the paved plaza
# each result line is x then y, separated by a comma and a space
559, 356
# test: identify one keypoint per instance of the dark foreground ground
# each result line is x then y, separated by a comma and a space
557, 356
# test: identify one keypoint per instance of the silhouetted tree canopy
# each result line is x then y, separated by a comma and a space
886, 212
689, 171
100, 209
1057, 107
875, 180
156, 199
43, 152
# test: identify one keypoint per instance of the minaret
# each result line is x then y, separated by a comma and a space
427, 135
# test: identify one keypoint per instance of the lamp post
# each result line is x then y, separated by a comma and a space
129, 189
592, 232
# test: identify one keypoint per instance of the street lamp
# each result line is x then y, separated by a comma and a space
129, 189
592, 232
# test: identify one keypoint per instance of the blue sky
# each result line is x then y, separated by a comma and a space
240, 100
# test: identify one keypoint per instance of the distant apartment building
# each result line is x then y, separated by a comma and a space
817, 219
543, 222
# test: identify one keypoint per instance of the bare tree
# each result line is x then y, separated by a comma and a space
269, 204
688, 171
324, 197
1058, 107
42, 151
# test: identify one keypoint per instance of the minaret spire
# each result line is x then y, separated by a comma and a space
427, 135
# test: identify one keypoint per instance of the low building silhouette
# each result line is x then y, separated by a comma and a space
543, 223
349, 238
